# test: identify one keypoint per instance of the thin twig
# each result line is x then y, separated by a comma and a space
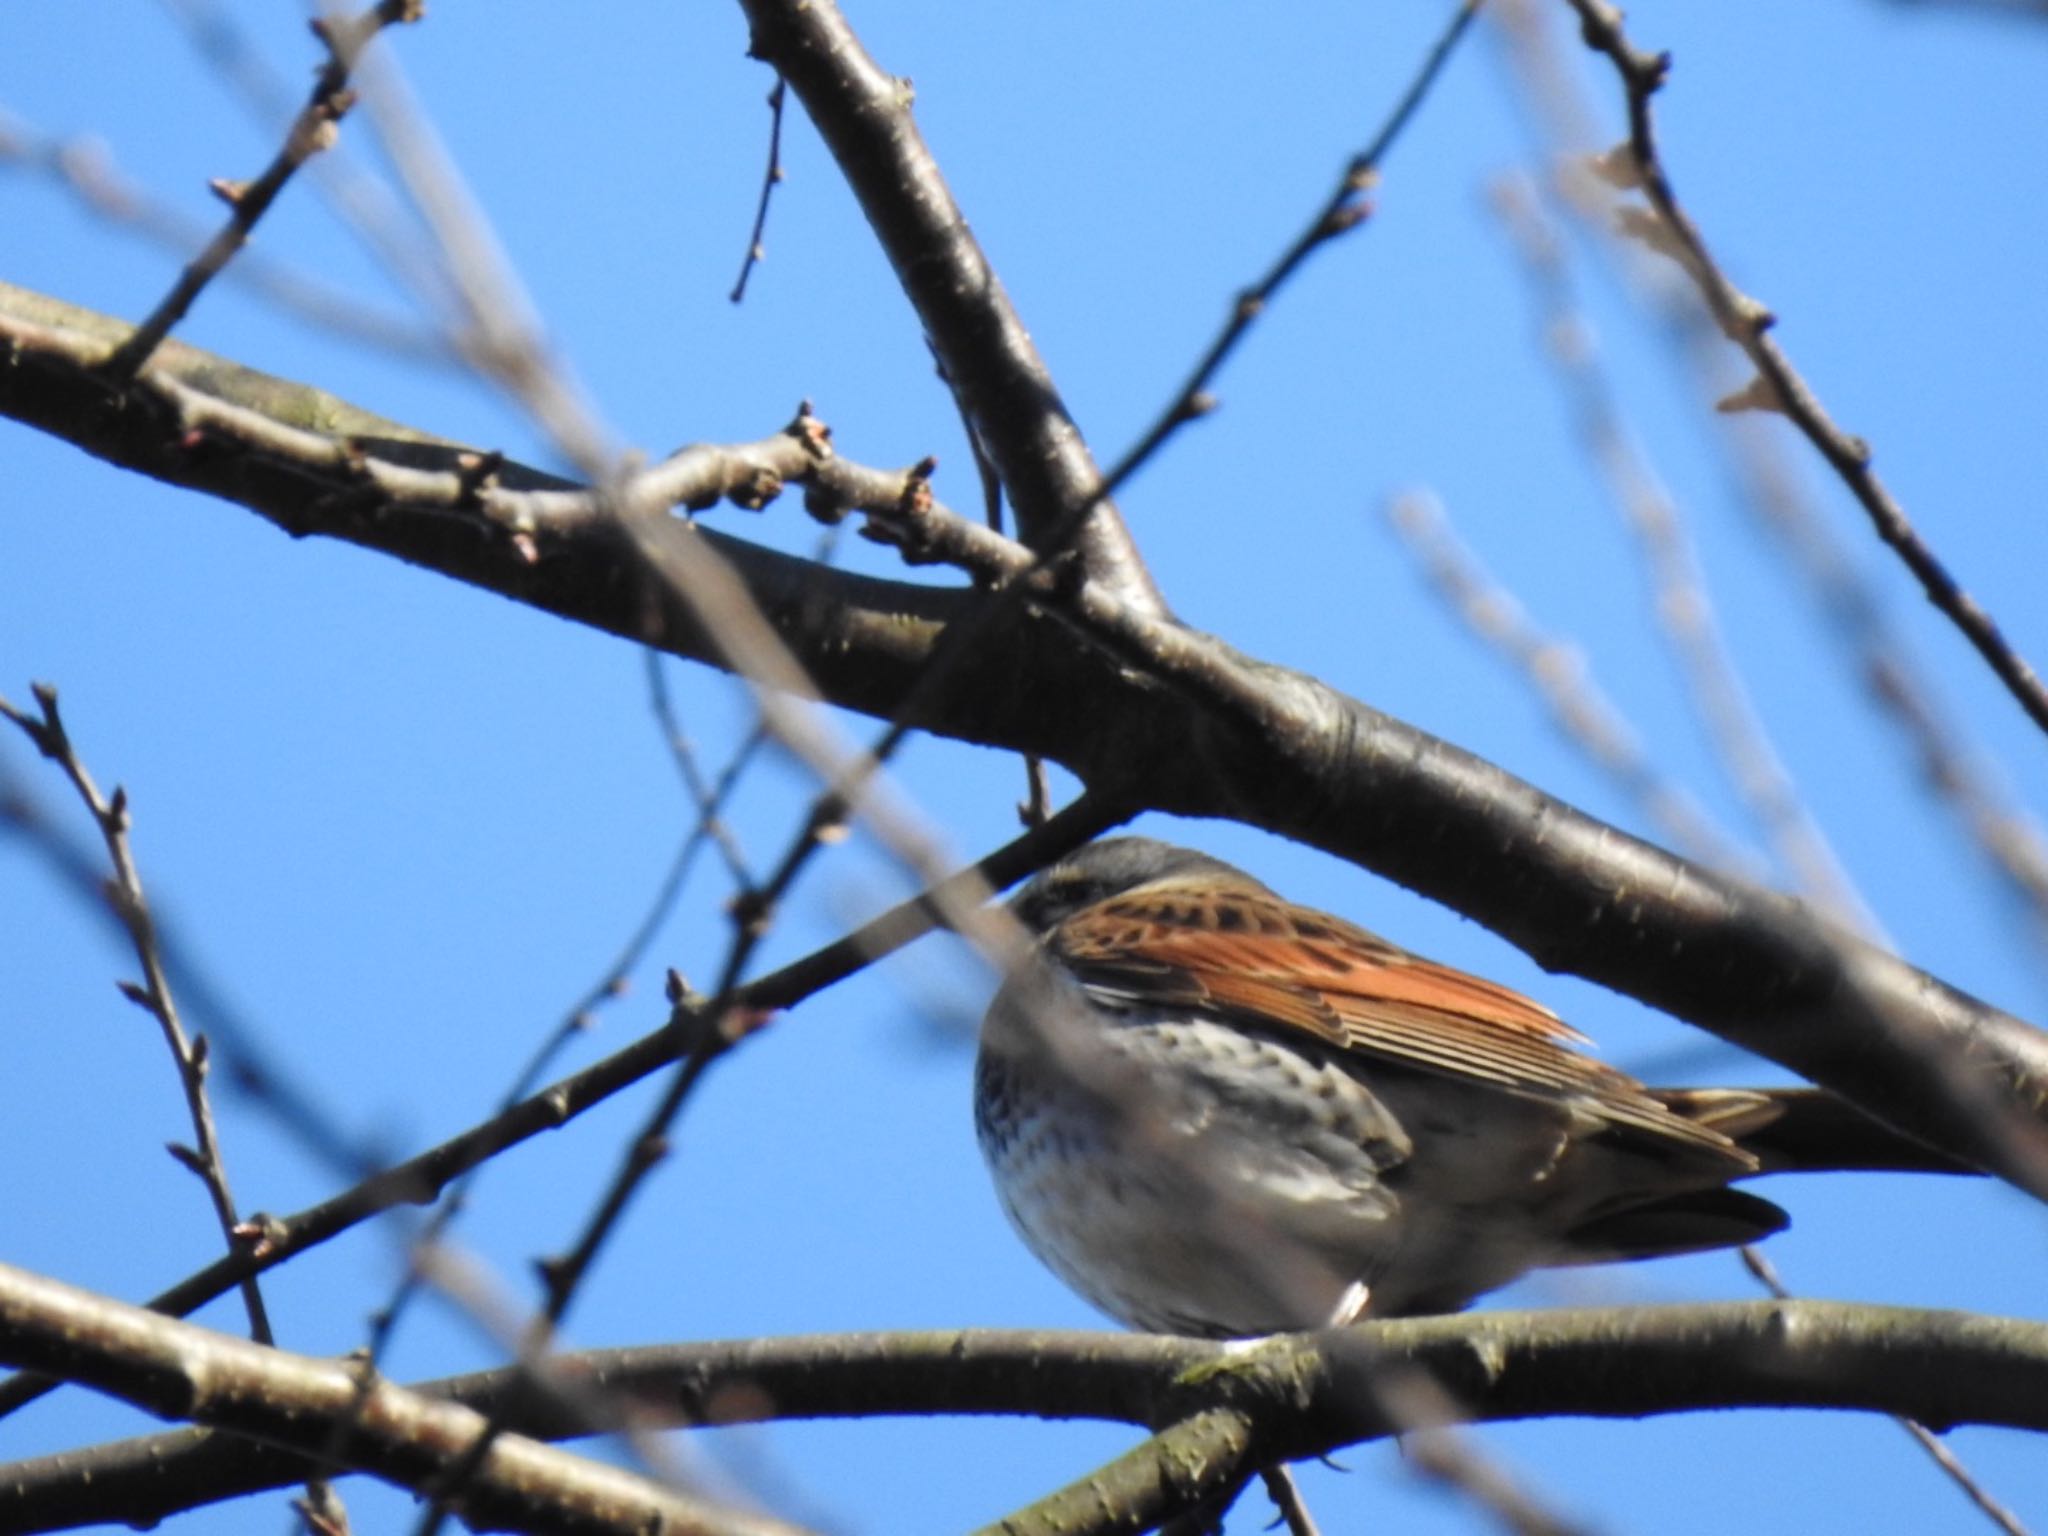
1579, 708
1286, 1495
322, 1508
1342, 211
251, 1067
84, 168
1037, 803
1679, 594
312, 131
707, 796
1852, 610
192, 1056
770, 179
1765, 1273
1988, 1504
722, 1021
1779, 386
361, 201
2004, 833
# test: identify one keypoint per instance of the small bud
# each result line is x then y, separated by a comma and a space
1759, 394
1618, 167
257, 1235
755, 488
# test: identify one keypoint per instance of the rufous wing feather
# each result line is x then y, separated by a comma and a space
1238, 951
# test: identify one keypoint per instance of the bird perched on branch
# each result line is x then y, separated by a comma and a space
1213, 1112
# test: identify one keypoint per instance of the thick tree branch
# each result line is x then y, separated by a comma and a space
1144, 711
1200, 1462
1302, 1395
985, 351
324, 1407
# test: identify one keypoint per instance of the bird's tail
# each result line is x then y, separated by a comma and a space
1805, 1130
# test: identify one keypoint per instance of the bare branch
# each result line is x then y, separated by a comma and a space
179, 1371
191, 1057
1556, 672
421, 1178
1146, 712
770, 179
1780, 386
1301, 1395
310, 133
85, 168
983, 346
1341, 212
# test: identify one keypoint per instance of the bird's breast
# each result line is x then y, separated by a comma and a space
1185, 1175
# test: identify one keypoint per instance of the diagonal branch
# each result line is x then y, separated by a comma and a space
1194, 1464
983, 347
180, 1371
421, 1178
1145, 711
312, 131
191, 1056
1342, 210
1779, 385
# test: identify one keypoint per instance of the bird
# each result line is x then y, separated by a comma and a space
1213, 1112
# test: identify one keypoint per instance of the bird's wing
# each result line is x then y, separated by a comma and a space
1239, 952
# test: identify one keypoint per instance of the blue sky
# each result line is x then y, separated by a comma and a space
408, 823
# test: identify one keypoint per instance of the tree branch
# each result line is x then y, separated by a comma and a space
983, 347
311, 132
1192, 1464
1145, 711
421, 1178
323, 1406
1779, 385
1304, 1394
